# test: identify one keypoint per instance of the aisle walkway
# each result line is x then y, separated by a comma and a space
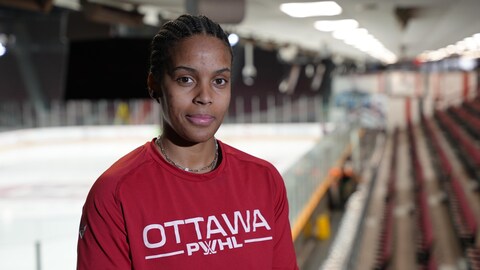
446, 247
405, 223
370, 233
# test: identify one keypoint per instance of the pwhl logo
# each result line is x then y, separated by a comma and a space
216, 237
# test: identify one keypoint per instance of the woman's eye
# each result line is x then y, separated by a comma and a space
220, 81
184, 80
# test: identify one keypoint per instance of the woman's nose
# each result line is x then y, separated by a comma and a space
203, 95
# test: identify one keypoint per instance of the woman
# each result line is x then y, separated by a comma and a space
186, 200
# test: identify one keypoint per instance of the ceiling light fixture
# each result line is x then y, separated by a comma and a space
3, 44
233, 39
249, 71
335, 25
3, 50
365, 42
311, 9
468, 47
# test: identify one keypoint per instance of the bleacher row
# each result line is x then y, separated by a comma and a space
473, 107
455, 123
460, 126
385, 245
467, 119
425, 235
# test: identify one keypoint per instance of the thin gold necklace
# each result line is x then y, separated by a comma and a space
210, 166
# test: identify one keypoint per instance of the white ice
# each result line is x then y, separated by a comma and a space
45, 175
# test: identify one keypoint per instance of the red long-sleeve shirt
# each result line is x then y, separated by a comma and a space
143, 213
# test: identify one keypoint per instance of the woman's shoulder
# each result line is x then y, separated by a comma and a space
132, 160
120, 170
236, 155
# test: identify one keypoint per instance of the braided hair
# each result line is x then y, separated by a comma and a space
173, 32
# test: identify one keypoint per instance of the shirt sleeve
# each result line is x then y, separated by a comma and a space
284, 257
103, 242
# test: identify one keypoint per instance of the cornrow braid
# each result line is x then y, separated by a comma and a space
176, 30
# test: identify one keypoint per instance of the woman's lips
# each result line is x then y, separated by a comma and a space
200, 119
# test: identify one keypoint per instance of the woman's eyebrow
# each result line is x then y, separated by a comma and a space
189, 69
223, 70
192, 70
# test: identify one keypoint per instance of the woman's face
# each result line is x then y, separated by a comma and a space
196, 88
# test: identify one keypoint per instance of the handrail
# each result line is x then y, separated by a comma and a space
317, 196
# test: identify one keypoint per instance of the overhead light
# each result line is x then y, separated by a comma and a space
476, 37
3, 38
233, 39
365, 42
467, 63
249, 71
68, 4
461, 46
470, 43
451, 49
350, 34
3, 44
469, 47
151, 16
3, 50
335, 25
311, 9
288, 53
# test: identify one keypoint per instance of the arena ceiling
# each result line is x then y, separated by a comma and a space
405, 27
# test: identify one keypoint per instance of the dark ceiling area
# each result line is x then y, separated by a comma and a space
62, 54
79, 49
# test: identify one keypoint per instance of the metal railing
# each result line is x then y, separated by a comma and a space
270, 109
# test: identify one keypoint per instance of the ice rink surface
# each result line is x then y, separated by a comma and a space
45, 175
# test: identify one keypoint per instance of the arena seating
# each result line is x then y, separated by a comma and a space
463, 217
425, 237
473, 258
385, 244
473, 106
469, 122
468, 152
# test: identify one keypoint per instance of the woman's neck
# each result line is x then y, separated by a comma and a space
193, 157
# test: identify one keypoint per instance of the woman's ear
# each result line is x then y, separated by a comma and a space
153, 88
